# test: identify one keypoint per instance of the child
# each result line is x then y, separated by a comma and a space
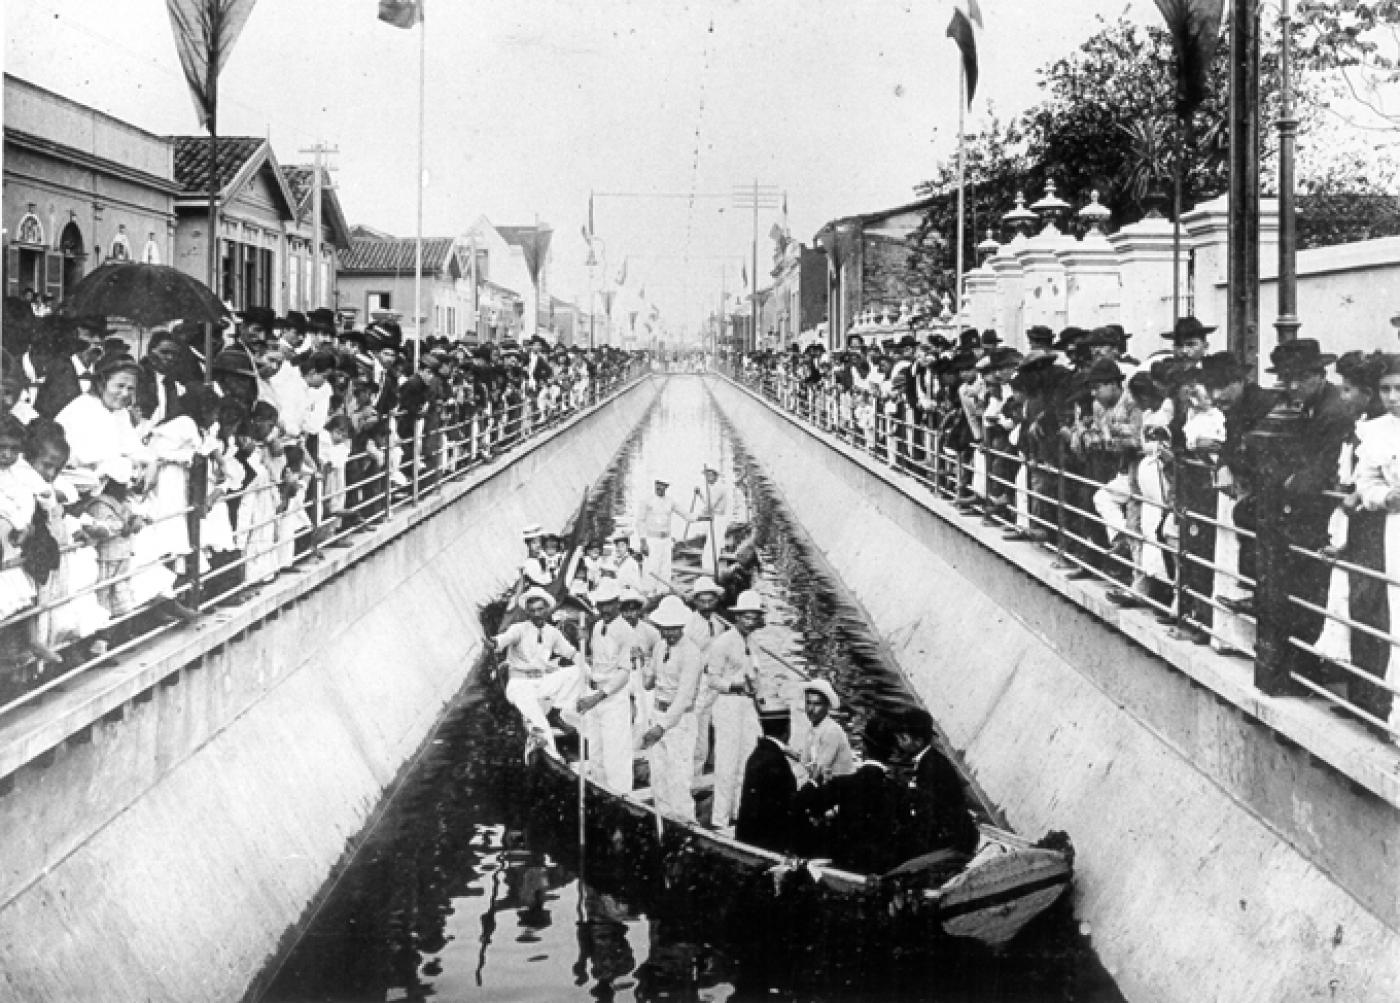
260, 498
109, 522
335, 454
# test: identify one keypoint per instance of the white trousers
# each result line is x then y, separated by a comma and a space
716, 529
657, 563
533, 698
670, 769
609, 730
736, 733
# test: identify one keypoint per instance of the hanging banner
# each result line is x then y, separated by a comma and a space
205, 31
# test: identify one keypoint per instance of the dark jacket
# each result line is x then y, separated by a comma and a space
766, 813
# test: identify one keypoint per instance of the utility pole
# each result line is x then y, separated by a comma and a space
756, 197
317, 290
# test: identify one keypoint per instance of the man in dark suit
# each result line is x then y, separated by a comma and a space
1326, 423
767, 815
941, 795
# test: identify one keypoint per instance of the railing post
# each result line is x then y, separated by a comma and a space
199, 497
1275, 447
389, 438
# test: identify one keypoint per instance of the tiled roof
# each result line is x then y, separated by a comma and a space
395, 255
192, 159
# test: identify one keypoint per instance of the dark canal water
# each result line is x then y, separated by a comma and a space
462, 891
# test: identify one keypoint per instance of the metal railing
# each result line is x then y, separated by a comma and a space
1153, 528
89, 611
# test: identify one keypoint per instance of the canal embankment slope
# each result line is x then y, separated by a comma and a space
1217, 856
170, 819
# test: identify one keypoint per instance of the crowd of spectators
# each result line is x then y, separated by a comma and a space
1142, 474
145, 475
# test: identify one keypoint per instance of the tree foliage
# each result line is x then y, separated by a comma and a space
1106, 122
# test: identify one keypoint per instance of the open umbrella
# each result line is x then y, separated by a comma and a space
144, 294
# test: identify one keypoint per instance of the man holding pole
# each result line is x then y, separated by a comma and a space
714, 517
653, 524
674, 679
607, 706
731, 671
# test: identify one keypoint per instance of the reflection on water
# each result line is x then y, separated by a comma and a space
462, 893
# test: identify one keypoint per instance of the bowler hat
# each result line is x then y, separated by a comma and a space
261, 316
296, 320
1103, 371
1069, 339
1040, 335
1187, 328
322, 319
1220, 369
990, 337
1303, 355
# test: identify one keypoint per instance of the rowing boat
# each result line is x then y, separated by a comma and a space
1007, 882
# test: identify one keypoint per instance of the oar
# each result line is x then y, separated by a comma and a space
785, 663
669, 587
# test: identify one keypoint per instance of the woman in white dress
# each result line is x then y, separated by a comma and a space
1378, 490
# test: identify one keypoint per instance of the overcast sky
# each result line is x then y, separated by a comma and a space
845, 104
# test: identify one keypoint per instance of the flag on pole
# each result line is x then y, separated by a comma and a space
1195, 28
622, 273
960, 31
205, 31
400, 13
744, 271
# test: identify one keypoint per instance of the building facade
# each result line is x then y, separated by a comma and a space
80, 189
799, 293
377, 282
312, 266
867, 264
518, 257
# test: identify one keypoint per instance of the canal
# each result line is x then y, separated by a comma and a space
459, 893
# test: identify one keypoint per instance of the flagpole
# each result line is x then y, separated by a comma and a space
212, 87
418, 234
962, 109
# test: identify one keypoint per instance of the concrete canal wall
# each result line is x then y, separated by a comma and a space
1217, 858
160, 840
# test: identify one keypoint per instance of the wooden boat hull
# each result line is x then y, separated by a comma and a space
670, 864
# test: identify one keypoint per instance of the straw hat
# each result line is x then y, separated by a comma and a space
671, 612
629, 595
825, 689
534, 593
532, 532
